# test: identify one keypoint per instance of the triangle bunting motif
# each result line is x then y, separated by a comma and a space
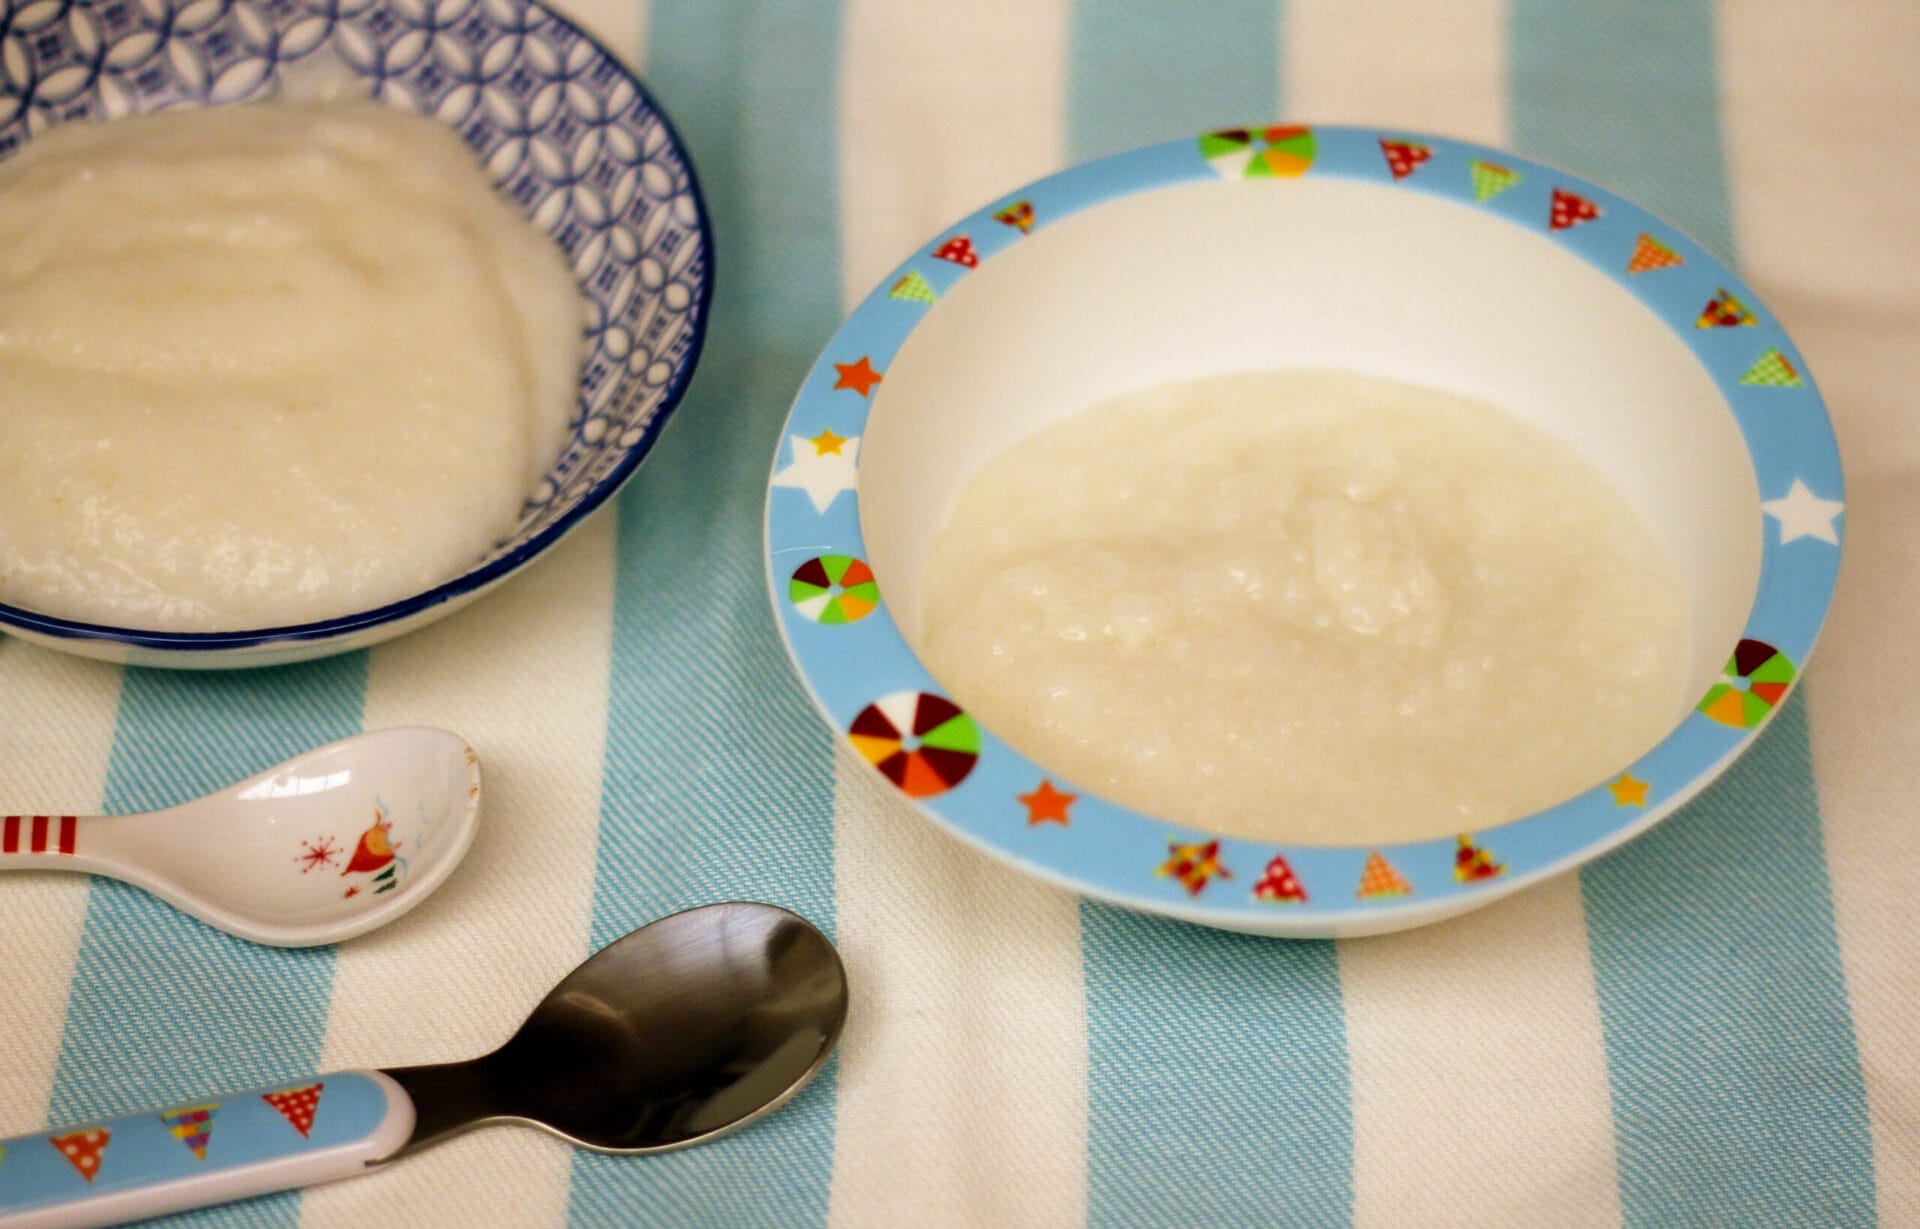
1404, 157
192, 1125
1490, 179
1378, 880
296, 1105
959, 250
913, 287
1773, 371
1570, 210
83, 1149
1279, 885
1650, 254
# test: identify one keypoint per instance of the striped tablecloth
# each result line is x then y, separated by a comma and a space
1716, 1024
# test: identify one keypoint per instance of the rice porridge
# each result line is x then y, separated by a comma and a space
1308, 606
266, 364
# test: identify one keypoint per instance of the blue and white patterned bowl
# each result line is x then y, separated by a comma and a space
564, 129
1403, 256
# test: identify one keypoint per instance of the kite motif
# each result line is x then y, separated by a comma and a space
1473, 863
1723, 311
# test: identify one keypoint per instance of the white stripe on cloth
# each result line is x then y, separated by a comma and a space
1431, 68
943, 108
620, 25
1818, 110
963, 1069
53, 759
1479, 1072
523, 675
1475, 1049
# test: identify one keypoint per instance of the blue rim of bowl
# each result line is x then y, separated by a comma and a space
496, 568
868, 682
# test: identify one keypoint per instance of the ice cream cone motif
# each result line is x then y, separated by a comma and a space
376, 847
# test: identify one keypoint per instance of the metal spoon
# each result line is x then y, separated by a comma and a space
684, 1030
323, 847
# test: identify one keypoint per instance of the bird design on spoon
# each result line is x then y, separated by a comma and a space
377, 847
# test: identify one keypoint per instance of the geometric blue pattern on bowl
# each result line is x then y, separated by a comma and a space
563, 128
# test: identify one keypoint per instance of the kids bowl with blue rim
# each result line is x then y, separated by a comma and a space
1387, 253
566, 132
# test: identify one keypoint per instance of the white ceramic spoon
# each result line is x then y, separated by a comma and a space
323, 847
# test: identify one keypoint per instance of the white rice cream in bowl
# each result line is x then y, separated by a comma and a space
1278, 534
265, 365
1308, 606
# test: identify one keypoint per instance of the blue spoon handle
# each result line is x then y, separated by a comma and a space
203, 1151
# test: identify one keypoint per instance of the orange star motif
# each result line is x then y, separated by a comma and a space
1628, 791
827, 442
858, 376
1047, 805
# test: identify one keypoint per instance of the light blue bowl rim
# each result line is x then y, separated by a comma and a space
495, 568
1114, 853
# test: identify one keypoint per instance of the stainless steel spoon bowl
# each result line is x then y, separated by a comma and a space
682, 1031
678, 1033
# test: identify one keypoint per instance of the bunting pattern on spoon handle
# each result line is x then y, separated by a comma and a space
203, 1150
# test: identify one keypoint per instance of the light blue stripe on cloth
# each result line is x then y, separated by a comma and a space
1217, 1076
1144, 71
1736, 1082
165, 1009
719, 775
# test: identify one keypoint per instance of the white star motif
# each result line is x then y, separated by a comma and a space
821, 474
1802, 514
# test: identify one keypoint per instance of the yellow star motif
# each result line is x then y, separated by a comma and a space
827, 442
1628, 791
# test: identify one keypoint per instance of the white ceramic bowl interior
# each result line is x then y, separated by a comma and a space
1166, 285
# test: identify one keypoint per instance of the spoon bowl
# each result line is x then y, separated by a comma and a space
683, 1031
321, 848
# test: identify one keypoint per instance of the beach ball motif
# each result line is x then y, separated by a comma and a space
833, 589
1281, 151
1757, 677
921, 742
